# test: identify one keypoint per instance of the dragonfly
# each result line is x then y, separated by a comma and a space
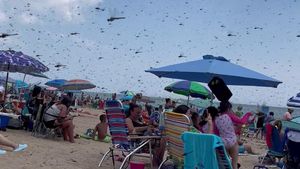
182, 55
59, 65
113, 16
4, 35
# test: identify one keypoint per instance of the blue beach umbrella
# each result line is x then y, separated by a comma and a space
57, 83
206, 69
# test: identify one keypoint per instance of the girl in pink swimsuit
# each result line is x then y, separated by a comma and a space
226, 130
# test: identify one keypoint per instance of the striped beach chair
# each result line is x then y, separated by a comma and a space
204, 151
121, 141
175, 125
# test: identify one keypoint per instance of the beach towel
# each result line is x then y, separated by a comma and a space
200, 150
89, 135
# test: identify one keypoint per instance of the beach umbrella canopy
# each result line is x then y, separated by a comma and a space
209, 67
36, 74
296, 120
77, 84
189, 88
126, 98
21, 85
51, 88
12, 61
57, 83
294, 101
291, 125
127, 93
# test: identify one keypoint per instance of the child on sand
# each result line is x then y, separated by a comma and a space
101, 130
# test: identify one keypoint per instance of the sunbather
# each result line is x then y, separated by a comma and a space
7, 143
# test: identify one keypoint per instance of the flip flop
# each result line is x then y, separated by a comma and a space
2, 152
21, 147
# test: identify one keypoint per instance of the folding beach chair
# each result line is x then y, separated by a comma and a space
204, 151
275, 144
292, 160
39, 127
121, 140
175, 125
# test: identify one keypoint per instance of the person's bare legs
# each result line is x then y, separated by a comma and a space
249, 149
71, 132
65, 134
68, 131
159, 152
234, 154
5, 142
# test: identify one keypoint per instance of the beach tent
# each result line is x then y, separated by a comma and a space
206, 69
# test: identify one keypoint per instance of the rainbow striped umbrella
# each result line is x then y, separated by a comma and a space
77, 84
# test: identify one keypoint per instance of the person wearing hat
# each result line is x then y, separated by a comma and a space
288, 115
239, 112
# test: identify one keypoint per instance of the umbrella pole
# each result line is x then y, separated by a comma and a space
24, 77
6, 82
188, 100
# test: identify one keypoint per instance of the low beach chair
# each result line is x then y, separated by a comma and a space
204, 151
275, 144
292, 160
175, 125
121, 140
40, 129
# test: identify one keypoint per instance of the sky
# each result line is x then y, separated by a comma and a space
263, 36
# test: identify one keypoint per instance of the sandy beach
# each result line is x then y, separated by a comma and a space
84, 154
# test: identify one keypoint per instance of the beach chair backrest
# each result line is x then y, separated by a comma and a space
204, 151
117, 123
175, 125
113, 104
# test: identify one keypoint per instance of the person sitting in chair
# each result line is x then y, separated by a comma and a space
58, 116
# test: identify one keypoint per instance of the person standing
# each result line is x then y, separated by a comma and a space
288, 115
269, 118
168, 104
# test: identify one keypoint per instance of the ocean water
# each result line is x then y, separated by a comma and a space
278, 111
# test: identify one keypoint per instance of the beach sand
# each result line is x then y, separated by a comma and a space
84, 154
